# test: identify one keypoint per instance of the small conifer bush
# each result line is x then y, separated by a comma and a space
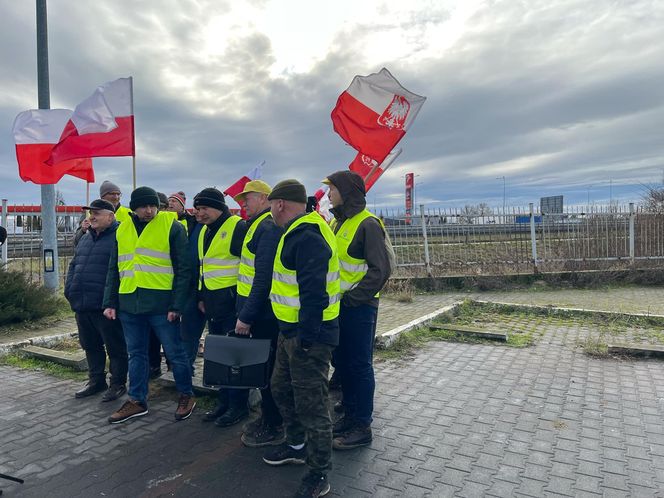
21, 299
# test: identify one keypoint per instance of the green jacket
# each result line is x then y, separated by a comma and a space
150, 301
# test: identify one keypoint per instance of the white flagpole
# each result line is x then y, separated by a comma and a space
133, 158
87, 193
387, 163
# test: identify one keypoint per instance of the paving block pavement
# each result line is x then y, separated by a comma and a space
455, 420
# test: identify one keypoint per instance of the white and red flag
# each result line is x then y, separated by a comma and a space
36, 132
374, 113
238, 186
101, 126
371, 170
323, 204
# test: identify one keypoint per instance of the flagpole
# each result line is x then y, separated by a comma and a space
87, 193
133, 157
49, 229
387, 164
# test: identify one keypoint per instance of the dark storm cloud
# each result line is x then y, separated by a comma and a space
552, 95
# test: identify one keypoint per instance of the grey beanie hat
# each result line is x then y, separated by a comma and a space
108, 186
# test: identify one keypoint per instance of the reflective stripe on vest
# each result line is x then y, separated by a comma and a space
145, 261
285, 292
352, 269
247, 269
220, 271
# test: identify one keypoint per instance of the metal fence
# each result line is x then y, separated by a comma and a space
449, 242
462, 242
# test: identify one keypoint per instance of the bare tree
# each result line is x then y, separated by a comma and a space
652, 198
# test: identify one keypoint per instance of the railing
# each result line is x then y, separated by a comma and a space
458, 242
449, 242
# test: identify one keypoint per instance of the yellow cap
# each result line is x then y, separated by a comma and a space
326, 181
253, 186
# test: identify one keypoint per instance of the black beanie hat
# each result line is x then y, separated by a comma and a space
143, 196
289, 190
163, 200
210, 197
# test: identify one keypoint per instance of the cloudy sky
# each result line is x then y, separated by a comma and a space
556, 96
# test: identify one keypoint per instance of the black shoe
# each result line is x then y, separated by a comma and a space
342, 426
283, 454
265, 435
231, 417
354, 438
339, 407
114, 392
313, 485
213, 415
155, 373
90, 389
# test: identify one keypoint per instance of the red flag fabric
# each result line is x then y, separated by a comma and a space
35, 134
101, 126
369, 169
374, 113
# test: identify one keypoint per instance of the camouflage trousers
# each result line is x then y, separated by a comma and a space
299, 387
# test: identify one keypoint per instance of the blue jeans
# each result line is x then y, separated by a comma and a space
354, 360
191, 329
137, 335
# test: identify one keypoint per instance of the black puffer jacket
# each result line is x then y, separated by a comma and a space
86, 277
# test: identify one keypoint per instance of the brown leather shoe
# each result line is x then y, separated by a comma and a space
186, 405
130, 409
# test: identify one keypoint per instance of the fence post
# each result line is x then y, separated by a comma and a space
533, 237
3, 223
632, 216
427, 261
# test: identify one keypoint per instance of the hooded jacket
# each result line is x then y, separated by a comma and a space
368, 243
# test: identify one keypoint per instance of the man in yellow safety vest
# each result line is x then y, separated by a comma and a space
219, 250
255, 315
305, 299
364, 267
146, 288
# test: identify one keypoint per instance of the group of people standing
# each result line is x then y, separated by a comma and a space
282, 274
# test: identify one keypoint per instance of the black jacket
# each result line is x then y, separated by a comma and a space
221, 302
263, 244
368, 243
306, 251
86, 277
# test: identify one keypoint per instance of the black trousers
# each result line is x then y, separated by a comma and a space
268, 329
98, 336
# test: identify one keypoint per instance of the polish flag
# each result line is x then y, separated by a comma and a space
323, 205
238, 186
101, 126
369, 169
35, 134
374, 113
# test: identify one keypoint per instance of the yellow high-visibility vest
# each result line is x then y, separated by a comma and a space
285, 292
352, 270
122, 214
145, 261
247, 270
219, 268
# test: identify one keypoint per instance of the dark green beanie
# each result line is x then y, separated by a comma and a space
143, 196
289, 190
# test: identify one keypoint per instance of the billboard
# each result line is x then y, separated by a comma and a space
551, 205
410, 180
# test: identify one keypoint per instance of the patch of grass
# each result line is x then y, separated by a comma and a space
56, 370
595, 347
401, 290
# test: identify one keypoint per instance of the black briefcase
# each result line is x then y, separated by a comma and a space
235, 362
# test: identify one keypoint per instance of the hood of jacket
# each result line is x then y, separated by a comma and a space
351, 188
